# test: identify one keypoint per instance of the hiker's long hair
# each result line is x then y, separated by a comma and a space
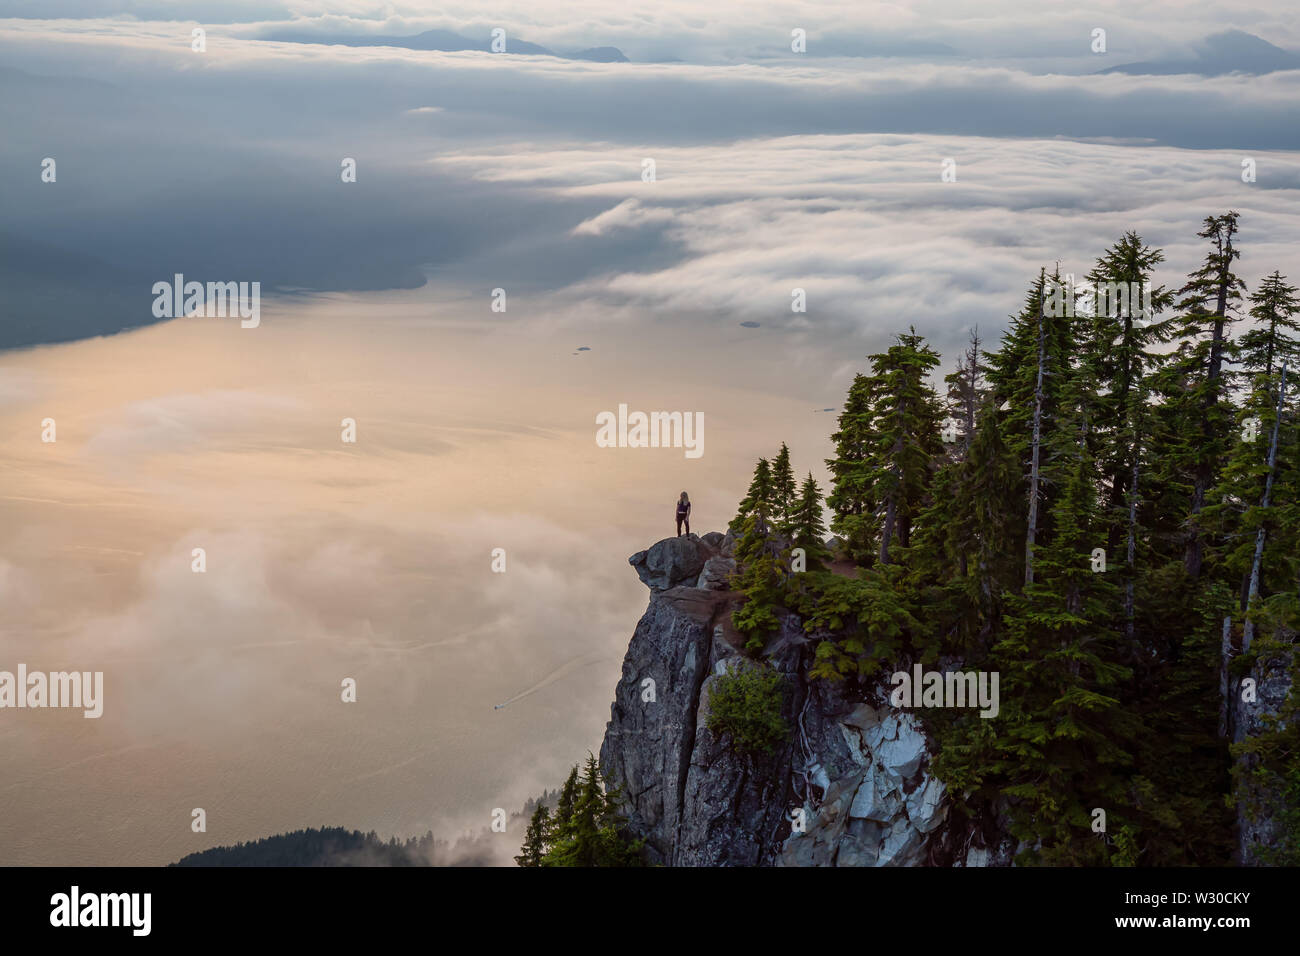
684, 499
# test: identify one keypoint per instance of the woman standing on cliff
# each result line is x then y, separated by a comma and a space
683, 514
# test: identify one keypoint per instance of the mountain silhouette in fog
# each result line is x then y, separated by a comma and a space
447, 41
336, 846
53, 294
331, 846
1232, 51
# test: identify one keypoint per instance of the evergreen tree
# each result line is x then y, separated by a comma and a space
536, 838
967, 391
1131, 436
582, 841
1180, 761
1064, 737
1244, 507
968, 541
905, 444
1026, 374
868, 617
783, 488
565, 804
1209, 298
1274, 340
807, 526
1013, 368
852, 506
760, 500
758, 552
1120, 349
1035, 451
593, 835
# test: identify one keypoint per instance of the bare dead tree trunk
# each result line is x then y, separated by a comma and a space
1205, 469
1131, 554
1225, 655
972, 382
891, 504
1033, 468
1248, 629
888, 531
891, 517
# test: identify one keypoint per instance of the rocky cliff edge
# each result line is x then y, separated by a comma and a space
851, 786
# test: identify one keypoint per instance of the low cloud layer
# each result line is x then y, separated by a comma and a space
478, 171
682, 30
865, 227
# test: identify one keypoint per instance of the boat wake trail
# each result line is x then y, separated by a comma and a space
561, 672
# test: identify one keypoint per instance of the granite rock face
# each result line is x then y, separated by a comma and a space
852, 783
716, 573
1271, 674
672, 561
849, 787
650, 739
881, 812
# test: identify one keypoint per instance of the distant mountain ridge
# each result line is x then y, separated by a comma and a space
448, 41
53, 294
328, 846
337, 846
1233, 51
